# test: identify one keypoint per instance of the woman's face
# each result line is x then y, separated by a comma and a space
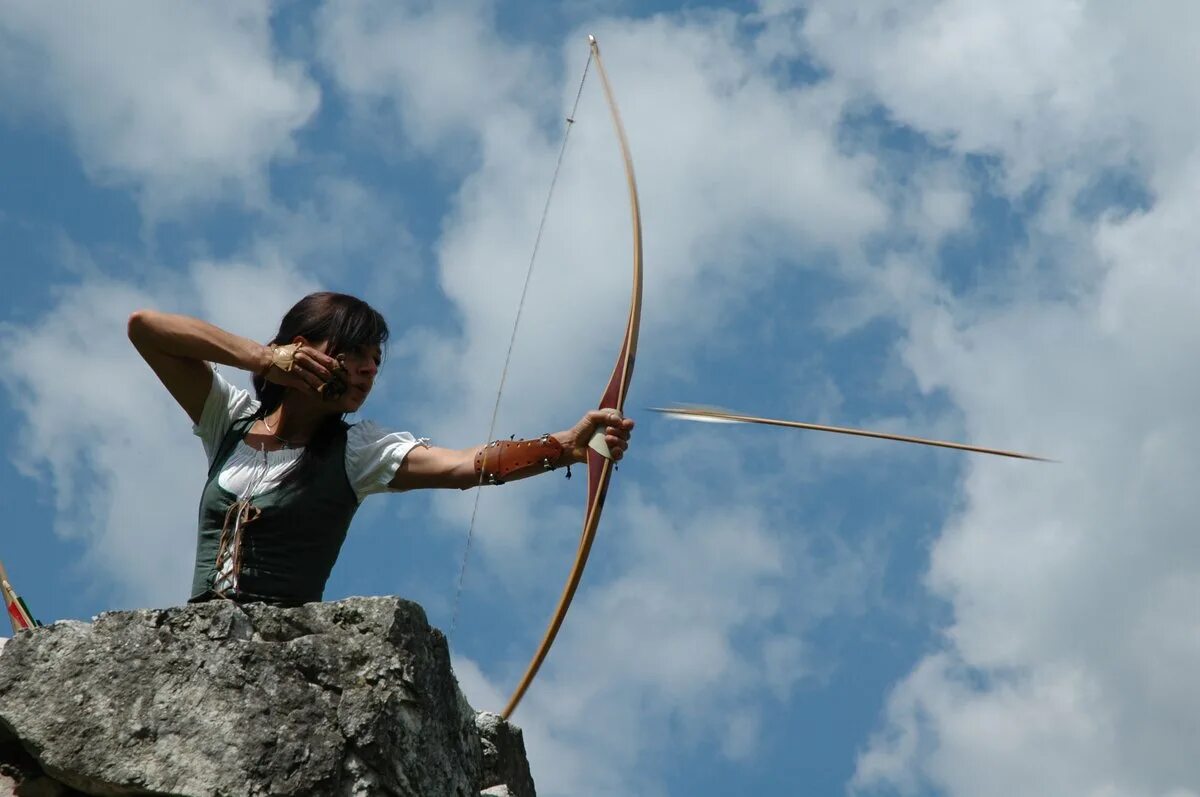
362, 366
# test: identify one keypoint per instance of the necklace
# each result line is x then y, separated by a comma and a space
286, 443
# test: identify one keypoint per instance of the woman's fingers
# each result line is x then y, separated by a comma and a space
617, 439
318, 363
616, 430
611, 420
608, 422
305, 368
311, 379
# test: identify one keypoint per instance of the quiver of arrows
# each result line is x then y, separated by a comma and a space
18, 612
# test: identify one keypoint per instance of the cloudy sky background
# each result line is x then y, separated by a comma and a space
957, 219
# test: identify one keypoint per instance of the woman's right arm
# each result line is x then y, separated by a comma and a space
179, 349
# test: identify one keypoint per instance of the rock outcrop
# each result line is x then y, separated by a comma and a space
349, 698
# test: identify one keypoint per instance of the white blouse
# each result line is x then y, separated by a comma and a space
373, 453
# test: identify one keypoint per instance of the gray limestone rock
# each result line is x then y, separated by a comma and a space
504, 761
349, 698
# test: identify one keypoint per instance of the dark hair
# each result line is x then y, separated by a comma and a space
346, 323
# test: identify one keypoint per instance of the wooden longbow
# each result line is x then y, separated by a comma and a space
599, 463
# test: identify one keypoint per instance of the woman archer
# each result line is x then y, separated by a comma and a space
286, 472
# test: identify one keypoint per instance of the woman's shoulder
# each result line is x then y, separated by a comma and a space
225, 405
367, 432
374, 453
236, 402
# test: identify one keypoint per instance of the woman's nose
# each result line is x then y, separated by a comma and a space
365, 366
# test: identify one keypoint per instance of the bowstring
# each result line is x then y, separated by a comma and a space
537, 242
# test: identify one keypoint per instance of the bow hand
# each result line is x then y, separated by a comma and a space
606, 426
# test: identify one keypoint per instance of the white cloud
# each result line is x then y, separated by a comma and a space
1006, 79
441, 68
181, 102
345, 231
1078, 582
1064, 87
1065, 669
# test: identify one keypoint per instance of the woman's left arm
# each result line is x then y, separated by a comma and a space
506, 460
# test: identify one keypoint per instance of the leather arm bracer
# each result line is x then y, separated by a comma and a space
499, 460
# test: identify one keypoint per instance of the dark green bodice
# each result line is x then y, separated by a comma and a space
289, 550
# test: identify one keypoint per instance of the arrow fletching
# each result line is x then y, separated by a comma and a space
18, 612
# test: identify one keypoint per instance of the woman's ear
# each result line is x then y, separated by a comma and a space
305, 341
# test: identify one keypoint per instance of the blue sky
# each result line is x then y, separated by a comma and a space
960, 220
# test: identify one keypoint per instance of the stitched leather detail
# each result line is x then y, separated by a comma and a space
500, 459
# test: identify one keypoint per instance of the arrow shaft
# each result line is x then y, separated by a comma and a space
816, 427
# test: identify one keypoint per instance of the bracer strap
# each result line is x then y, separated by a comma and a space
500, 459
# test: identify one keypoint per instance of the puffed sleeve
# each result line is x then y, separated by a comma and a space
374, 454
224, 405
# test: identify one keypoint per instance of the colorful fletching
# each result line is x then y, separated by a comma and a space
18, 612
